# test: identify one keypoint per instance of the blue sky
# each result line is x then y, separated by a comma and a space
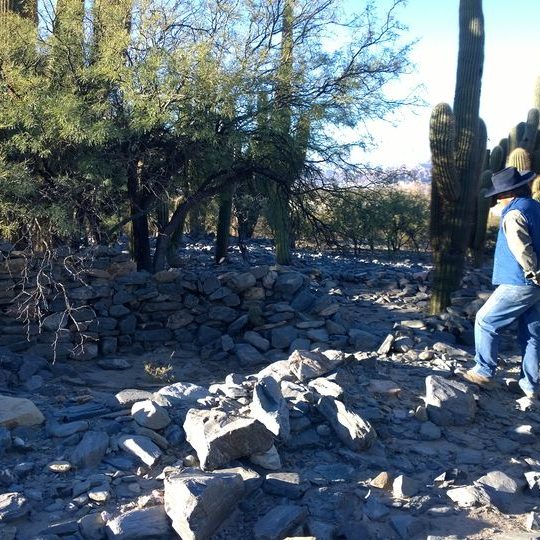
511, 66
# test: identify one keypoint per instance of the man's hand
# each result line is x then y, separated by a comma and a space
534, 277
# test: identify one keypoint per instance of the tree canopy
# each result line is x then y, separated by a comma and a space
136, 111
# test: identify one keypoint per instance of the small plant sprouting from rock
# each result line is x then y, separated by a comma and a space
160, 372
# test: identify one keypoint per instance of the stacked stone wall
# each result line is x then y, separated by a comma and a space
82, 306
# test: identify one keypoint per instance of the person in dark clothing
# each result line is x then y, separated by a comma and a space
516, 272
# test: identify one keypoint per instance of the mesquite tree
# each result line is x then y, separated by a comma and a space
457, 140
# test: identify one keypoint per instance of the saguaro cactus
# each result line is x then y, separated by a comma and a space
456, 147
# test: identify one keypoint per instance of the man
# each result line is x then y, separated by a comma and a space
516, 271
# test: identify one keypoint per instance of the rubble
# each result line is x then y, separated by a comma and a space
322, 402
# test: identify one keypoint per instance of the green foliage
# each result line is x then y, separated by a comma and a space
114, 108
389, 217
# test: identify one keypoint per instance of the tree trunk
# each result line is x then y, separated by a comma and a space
224, 222
278, 213
139, 205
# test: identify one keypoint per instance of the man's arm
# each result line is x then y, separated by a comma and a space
520, 244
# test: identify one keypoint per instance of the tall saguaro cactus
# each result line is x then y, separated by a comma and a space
279, 194
457, 140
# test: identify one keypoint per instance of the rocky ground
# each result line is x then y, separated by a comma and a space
368, 434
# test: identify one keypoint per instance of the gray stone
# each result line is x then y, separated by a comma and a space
248, 355
406, 526
318, 335
325, 387
90, 451
160, 440
404, 486
283, 336
403, 344
129, 396
140, 524
303, 301
150, 415
325, 306
209, 284
66, 430
13, 506
255, 339
207, 334
219, 438
114, 364
500, 488
142, 447
180, 319
56, 321
279, 522
182, 394
300, 344
362, 340
355, 432
375, 509
270, 408
307, 365
288, 283
321, 530
108, 345
285, 484
16, 412
199, 502
331, 472
533, 482
128, 324
252, 480
237, 326
157, 334
449, 402
269, 460
386, 345
227, 343
222, 314
468, 496
241, 282
118, 311
85, 351
92, 526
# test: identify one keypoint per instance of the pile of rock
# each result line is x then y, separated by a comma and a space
99, 305
319, 444
102, 306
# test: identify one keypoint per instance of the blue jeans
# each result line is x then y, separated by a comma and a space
507, 304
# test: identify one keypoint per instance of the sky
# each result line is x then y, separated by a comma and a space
511, 67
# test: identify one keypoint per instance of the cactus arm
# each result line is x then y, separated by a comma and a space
531, 130
442, 133
496, 159
519, 158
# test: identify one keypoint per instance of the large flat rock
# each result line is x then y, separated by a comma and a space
198, 502
16, 412
219, 438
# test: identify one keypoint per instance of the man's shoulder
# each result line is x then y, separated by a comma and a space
526, 203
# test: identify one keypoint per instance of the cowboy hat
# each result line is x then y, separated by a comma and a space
507, 180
